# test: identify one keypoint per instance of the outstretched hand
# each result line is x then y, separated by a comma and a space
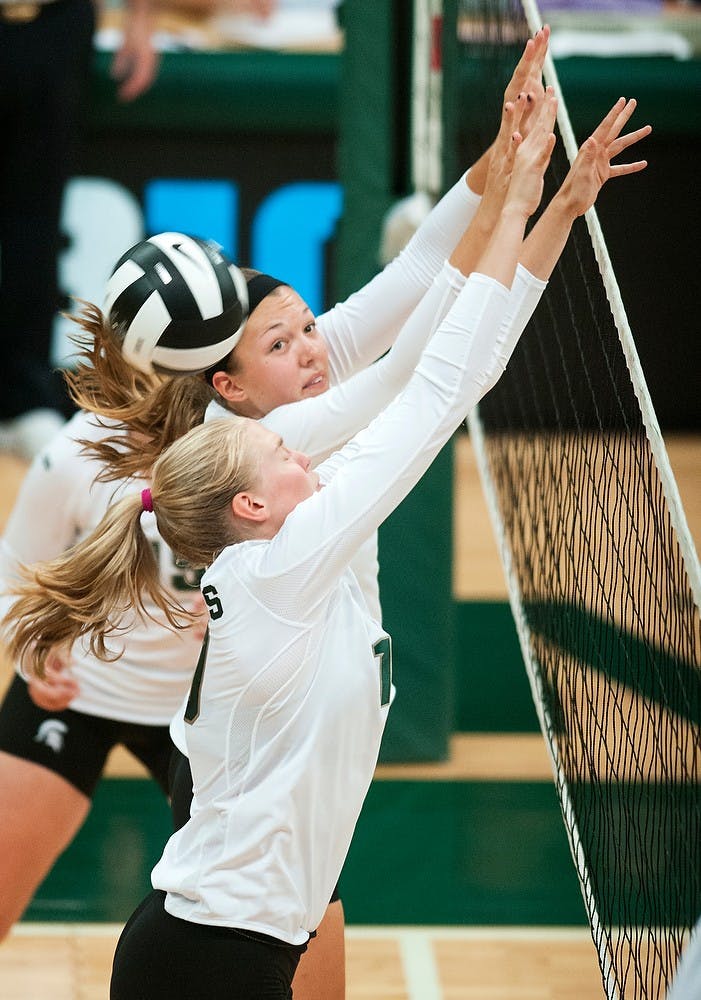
527, 77
502, 160
533, 156
592, 166
526, 80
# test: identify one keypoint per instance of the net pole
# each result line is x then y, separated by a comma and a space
613, 293
427, 97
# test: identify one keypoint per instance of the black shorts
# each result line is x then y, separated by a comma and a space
76, 745
181, 796
160, 957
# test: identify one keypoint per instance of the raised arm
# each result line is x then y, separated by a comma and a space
322, 424
591, 169
542, 247
363, 328
376, 470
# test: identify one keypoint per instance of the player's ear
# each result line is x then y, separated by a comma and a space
248, 507
228, 388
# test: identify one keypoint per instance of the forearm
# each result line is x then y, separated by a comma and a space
526, 292
473, 242
439, 234
477, 174
363, 328
505, 245
546, 241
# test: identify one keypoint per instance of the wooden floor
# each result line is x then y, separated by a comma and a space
477, 571
72, 962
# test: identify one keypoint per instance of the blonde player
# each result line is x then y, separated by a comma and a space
83, 707
357, 332
293, 685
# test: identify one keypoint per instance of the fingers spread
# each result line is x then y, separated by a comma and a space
621, 169
618, 145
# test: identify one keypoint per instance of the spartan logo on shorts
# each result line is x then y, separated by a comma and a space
52, 732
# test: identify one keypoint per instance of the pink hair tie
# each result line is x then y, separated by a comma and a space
147, 500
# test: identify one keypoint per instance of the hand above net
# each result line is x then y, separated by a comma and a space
501, 162
527, 77
592, 166
532, 157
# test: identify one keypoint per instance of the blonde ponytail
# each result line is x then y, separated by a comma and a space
153, 410
166, 414
102, 382
88, 590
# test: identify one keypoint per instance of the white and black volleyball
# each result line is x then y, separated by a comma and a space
178, 304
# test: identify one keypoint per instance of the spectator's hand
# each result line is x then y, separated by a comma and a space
57, 689
136, 63
592, 166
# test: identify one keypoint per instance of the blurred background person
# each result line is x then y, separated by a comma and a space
45, 55
45, 52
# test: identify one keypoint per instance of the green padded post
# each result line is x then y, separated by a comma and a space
416, 542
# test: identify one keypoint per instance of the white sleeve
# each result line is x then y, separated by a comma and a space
525, 294
320, 425
43, 522
375, 471
361, 329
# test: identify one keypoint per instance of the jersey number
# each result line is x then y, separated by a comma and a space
383, 652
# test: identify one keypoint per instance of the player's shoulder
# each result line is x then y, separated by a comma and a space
235, 563
64, 457
82, 426
216, 410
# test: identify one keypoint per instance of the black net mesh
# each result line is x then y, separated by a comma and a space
610, 621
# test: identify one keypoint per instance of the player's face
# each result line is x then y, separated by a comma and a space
281, 358
285, 477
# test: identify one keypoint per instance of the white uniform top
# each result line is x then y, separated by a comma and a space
320, 425
58, 504
294, 690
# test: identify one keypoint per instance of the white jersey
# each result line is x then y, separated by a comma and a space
289, 703
59, 503
320, 425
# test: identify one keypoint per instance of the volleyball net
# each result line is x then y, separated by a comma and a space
602, 572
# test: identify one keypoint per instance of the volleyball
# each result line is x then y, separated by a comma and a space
176, 303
